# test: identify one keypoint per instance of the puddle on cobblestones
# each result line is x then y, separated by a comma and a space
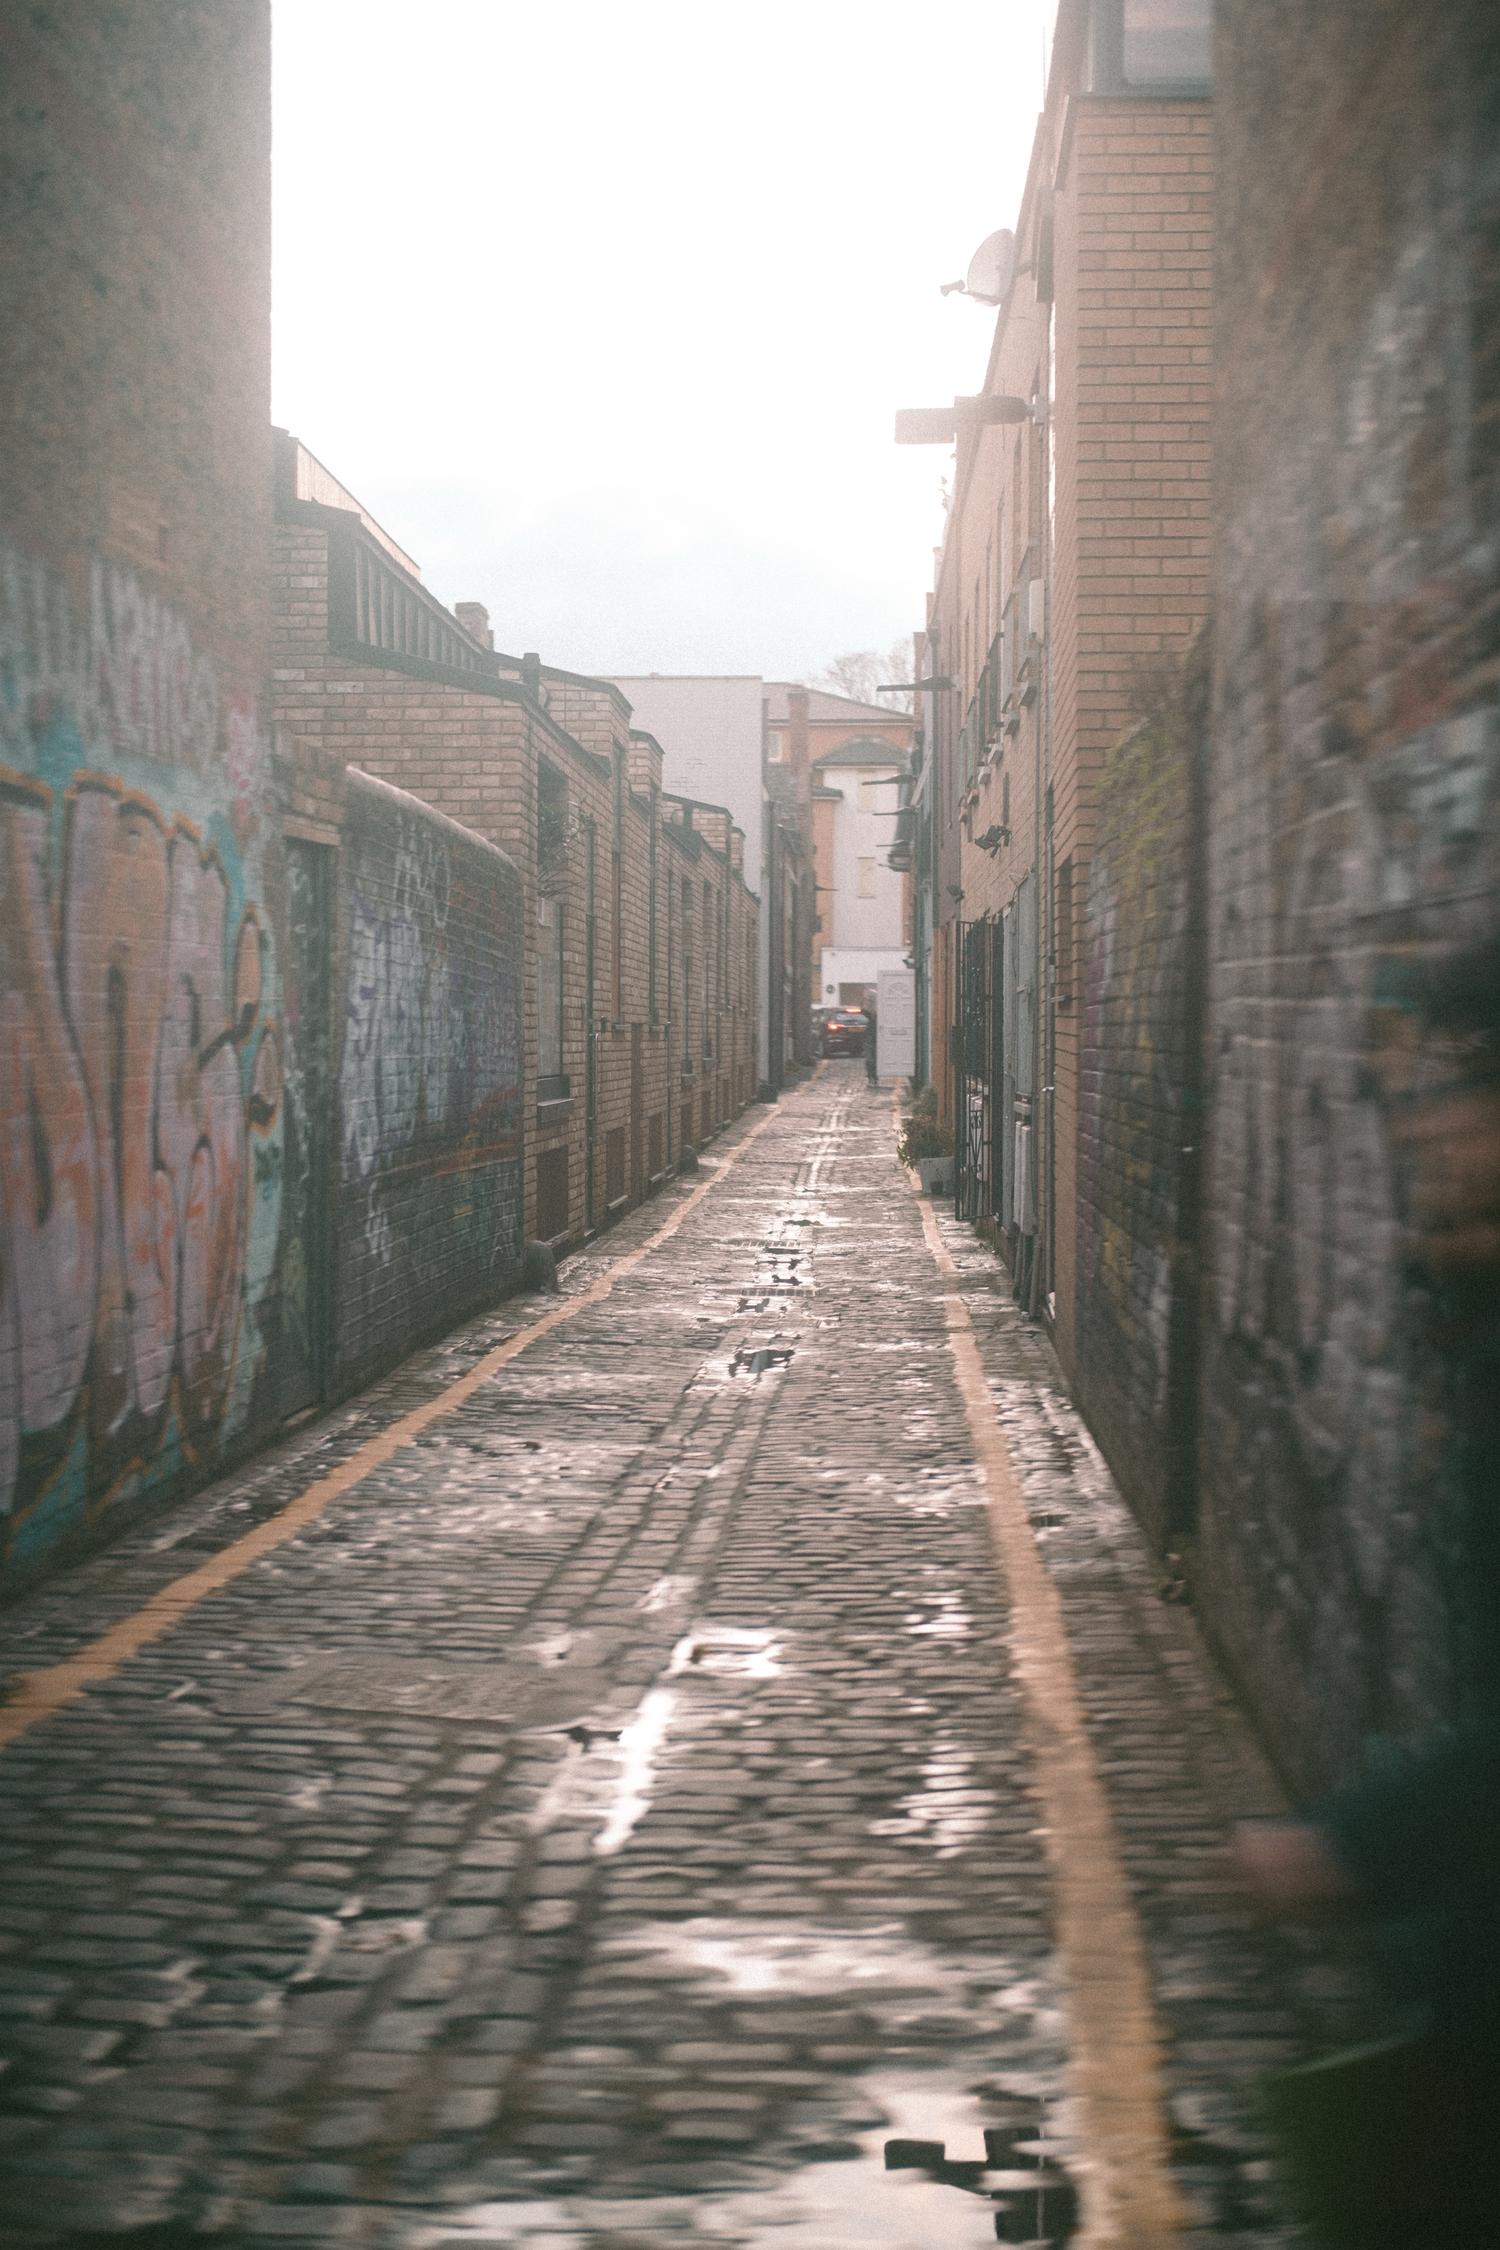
668, 1593
952, 1621
949, 1810
727, 1650
640, 1742
847, 2202
741, 1652
762, 1359
893, 1974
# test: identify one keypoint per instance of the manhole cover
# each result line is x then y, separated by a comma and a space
520, 1696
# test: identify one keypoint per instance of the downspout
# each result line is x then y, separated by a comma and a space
1043, 1290
591, 1034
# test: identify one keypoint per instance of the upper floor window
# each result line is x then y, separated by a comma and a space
1152, 44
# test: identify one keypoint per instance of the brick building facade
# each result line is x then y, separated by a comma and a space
626, 1065
1072, 577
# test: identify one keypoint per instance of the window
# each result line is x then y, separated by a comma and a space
687, 978
1166, 42
867, 878
655, 819
1062, 940
1140, 44
616, 894
773, 746
552, 1085
551, 820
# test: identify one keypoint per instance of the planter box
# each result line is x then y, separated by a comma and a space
935, 1174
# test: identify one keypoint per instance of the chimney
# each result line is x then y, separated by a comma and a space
531, 675
475, 620
796, 736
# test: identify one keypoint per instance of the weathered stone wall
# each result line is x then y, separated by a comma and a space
1354, 776
429, 1080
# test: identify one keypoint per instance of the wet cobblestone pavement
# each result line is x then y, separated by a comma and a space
608, 1823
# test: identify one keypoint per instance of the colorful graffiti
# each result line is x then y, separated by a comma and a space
429, 1075
138, 1051
430, 1038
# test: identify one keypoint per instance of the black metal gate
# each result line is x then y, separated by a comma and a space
975, 1134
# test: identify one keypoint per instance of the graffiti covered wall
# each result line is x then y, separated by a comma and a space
140, 1055
1355, 814
429, 1164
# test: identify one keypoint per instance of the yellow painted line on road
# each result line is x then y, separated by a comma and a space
37, 1695
1114, 2069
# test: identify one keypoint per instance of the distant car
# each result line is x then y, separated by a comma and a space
844, 1031
820, 1015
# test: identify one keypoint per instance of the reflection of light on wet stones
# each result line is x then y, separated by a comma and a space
746, 1653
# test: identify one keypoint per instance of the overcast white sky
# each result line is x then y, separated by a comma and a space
604, 311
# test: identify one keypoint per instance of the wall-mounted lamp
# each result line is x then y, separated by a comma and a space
915, 687
993, 838
940, 425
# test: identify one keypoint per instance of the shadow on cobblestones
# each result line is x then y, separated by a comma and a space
608, 1823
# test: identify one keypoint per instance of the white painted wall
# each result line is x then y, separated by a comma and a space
856, 965
864, 833
709, 729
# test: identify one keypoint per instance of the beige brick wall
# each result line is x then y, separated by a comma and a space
1134, 312
474, 753
1126, 526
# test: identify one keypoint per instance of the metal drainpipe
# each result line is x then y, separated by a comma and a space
1043, 1167
591, 1048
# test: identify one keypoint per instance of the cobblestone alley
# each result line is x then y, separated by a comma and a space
587, 1791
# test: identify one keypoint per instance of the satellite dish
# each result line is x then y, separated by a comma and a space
992, 266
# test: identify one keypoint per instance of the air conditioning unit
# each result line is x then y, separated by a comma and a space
1036, 609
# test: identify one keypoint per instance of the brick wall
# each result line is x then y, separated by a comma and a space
142, 893
1355, 766
476, 748
135, 285
1134, 269
429, 1221
1140, 1009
